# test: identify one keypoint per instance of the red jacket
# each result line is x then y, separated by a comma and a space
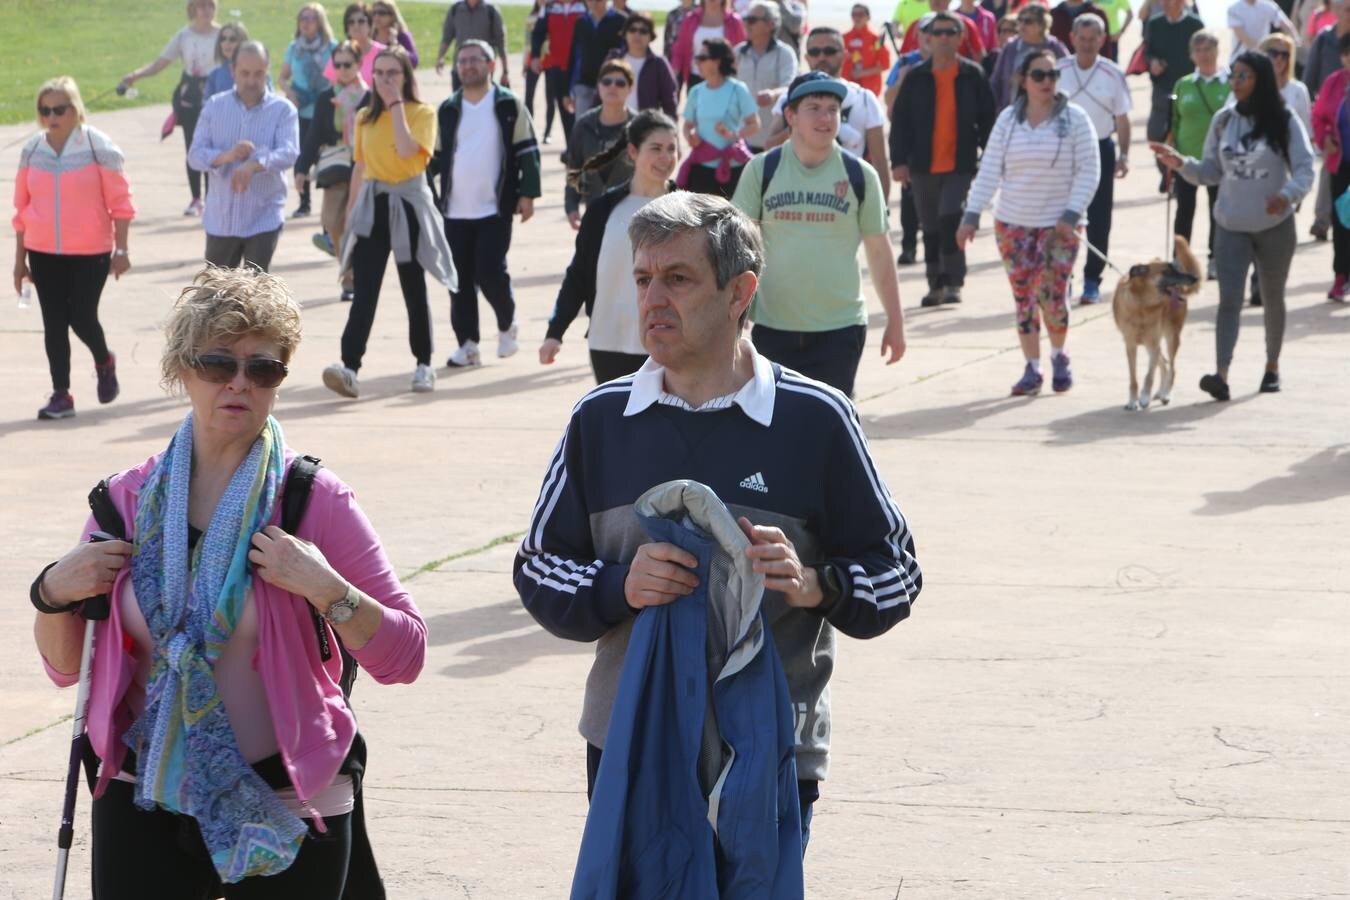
556, 25
1326, 115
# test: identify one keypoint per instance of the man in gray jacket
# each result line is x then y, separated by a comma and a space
765, 64
473, 20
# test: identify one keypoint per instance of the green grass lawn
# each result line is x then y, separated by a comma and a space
99, 41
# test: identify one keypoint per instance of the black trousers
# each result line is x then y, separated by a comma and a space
610, 364
187, 120
703, 180
808, 790
828, 356
1185, 217
370, 256
938, 200
1340, 235
479, 247
304, 191
139, 854
1099, 212
531, 88
68, 289
909, 221
555, 89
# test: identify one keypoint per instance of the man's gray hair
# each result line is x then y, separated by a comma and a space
732, 240
257, 47
1093, 20
771, 11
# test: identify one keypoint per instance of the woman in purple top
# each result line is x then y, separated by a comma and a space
390, 29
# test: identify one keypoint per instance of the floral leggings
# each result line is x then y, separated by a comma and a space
1039, 263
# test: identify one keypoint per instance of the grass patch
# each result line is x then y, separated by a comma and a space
98, 41
472, 551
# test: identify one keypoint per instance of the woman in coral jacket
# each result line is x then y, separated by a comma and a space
72, 211
710, 20
215, 706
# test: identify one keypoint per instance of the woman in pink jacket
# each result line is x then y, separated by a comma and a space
710, 20
1331, 129
225, 741
72, 210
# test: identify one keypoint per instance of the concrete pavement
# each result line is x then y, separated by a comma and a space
1126, 676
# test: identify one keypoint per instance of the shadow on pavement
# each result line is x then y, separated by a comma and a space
500, 638
451, 384
1116, 422
920, 423
1323, 476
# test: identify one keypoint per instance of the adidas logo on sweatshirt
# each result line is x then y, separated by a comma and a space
756, 483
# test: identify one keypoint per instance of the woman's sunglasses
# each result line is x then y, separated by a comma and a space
343, 65
614, 82
357, 20
1039, 75
1277, 54
648, 32
59, 109
218, 368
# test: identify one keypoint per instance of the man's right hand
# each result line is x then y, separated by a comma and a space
659, 574
536, 66
548, 351
242, 150
901, 174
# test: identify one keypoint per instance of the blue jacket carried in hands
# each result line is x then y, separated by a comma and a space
696, 796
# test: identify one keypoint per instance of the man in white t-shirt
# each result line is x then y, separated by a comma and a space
493, 168
861, 120
1252, 20
1098, 86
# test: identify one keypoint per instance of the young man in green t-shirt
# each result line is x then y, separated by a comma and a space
1198, 96
810, 314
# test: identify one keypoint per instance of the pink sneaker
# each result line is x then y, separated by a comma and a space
60, 406
1337, 291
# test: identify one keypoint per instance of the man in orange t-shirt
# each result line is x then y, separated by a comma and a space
937, 161
867, 57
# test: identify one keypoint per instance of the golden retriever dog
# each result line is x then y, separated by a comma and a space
1149, 307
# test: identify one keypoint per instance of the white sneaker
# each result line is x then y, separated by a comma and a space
465, 357
194, 208
506, 341
341, 380
424, 379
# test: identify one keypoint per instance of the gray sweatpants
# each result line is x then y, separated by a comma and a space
1234, 253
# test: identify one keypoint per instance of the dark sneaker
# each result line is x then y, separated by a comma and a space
932, 298
1319, 231
951, 295
347, 296
301, 211
908, 257
1062, 379
60, 406
1270, 383
1215, 386
1030, 383
108, 389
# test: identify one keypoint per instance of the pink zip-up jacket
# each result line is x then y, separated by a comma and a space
314, 726
1325, 115
67, 203
682, 54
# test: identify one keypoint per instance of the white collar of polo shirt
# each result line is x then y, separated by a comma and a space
755, 398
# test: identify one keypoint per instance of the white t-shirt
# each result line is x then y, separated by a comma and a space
861, 111
1295, 94
1100, 90
703, 33
1256, 19
197, 52
614, 318
478, 161
637, 62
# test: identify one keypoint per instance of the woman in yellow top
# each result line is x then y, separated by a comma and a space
390, 207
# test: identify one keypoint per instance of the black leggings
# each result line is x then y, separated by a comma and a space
138, 854
703, 180
610, 364
531, 88
370, 256
555, 89
187, 120
305, 125
68, 289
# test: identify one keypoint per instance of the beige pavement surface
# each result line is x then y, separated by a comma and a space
1126, 676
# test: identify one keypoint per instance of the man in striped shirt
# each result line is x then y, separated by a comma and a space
785, 453
247, 140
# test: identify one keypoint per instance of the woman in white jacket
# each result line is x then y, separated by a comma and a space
1043, 162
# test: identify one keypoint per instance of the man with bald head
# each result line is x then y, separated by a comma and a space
246, 142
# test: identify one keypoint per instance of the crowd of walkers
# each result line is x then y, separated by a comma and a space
720, 192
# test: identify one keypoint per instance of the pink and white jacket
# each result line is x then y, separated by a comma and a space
66, 203
683, 52
314, 727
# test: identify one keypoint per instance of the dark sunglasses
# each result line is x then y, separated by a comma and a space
357, 20
648, 31
822, 51
1279, 54
1043, 75
614, 82
1029, 21
218, 368
944, 32
343, 65
59, 109
750, 20
701, 57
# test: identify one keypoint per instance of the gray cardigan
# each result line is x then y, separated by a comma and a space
1248, 172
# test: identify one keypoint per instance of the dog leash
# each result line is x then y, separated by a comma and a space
1103, 257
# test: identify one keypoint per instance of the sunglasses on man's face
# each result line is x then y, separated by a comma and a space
1039, 75
944, 32
343, 65
614, 82
59, 109
647, 31
822, 51
220, 368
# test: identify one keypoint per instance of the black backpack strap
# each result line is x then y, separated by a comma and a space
853, 166
771, 160
105, 511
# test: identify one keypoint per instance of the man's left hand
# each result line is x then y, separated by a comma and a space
1122, 167
774, 557
242, 177
525, 206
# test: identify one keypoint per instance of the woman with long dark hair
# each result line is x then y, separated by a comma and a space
1260, 157
600, 276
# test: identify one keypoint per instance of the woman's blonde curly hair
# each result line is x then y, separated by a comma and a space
222, 306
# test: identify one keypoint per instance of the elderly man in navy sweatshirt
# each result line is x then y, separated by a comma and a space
785, 453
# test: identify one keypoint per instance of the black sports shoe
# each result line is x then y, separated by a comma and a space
908, 257
1215, 386
1270, 383
932, 298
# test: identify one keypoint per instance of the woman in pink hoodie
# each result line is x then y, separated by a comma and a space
711, 19
225, 742
72, 211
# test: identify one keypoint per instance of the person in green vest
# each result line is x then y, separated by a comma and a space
1119, 15
907, 12
1198, 96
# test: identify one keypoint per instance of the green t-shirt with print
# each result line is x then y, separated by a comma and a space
812, 228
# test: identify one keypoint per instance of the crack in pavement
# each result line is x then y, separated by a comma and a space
1189, 801
1265, 755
